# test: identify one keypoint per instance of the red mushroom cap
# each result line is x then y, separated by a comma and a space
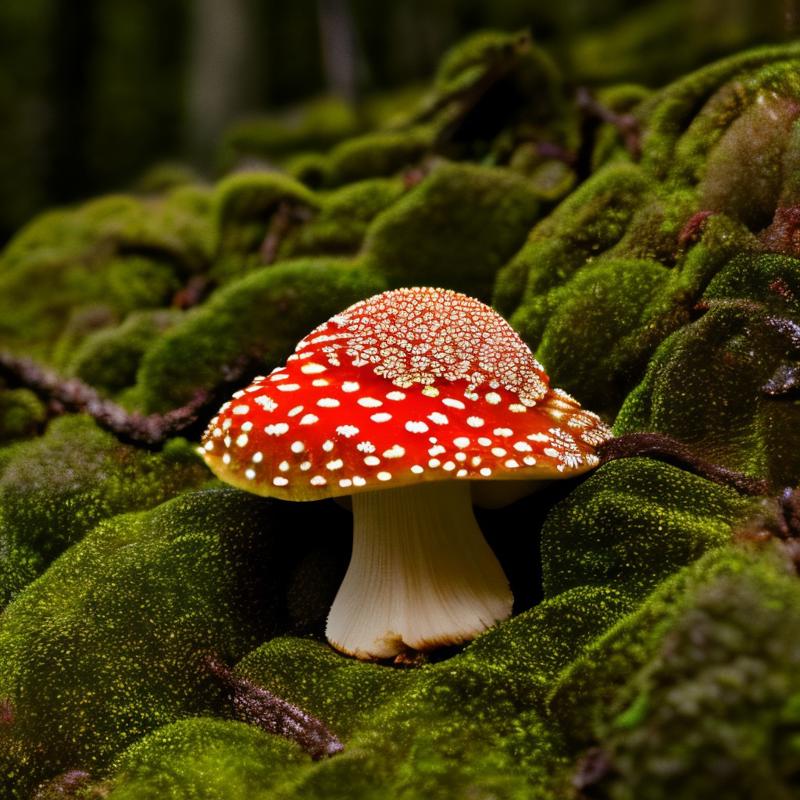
410, 385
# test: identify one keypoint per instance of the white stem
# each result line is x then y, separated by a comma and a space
421, 574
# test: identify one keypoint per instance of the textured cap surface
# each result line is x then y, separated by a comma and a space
407, 386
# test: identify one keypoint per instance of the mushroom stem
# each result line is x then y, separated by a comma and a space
421, 574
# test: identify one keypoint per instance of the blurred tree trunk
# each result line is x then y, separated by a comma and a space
218, 85
339, 51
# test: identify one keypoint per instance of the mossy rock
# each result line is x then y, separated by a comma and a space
244, 205
723, 384
108, 360
203, 757
696, 693
113, 641
110, 256
55, 488
633, 523
22, 414
342, 222
255, 320
270, 139
454, 230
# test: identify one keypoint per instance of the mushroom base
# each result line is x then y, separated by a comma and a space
421, 574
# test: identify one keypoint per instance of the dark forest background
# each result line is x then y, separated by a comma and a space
93, 92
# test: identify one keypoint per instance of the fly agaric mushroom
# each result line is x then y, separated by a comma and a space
402, 401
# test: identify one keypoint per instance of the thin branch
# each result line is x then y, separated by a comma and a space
665, 448
256, 706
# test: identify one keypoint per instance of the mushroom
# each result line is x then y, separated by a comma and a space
404, 401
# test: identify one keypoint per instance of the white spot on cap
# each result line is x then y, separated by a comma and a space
350, 386
359, 481
462, 473
305, 466
430, 391
238, 394
242, 439
476, 460
384, 476
288, 387
345, 483
209, 445
312, 368
461, 441
365, 447
369, 402
226, 458
522, 447
320, 382
217, 433
459, 456
327, 445
449, 466
498, 451
417, 469
347, 431
249, 474
284, 466
551, 452
278, 429
416, 426
337, 463
538, 437
530, 461
434, 462
258, 457
449, 401
517, 408
395, 451
381, 416
278, 376
318, 480
436, 450
267, 403
512, 463
486, 472
493, 398
502, 432
247, 426
372, 461
475, 422
438, 419
297, 447
396, 396
279, 480
309, 419
295, 411
328, 402
484, 441
228, 422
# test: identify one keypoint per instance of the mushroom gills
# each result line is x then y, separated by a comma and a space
421, 575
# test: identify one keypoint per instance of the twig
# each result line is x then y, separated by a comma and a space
626, 124
256, 706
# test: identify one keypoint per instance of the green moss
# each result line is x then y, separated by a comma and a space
704, 387
592, 219
722, 690
343, 220
377, 155
203, 758
56, 488
244, 204
21, 414
258, 318
315, 125
109, 359
454, 230
633, 523
111, 642
110, 256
